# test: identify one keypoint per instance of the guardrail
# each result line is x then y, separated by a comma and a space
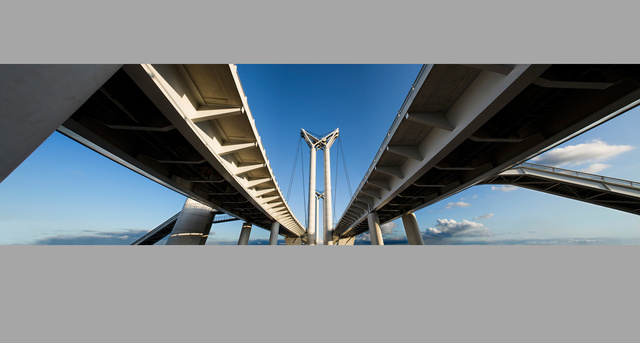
578, 174
424, 69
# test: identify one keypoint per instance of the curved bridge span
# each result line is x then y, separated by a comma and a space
599, 190
187, 127
463, 124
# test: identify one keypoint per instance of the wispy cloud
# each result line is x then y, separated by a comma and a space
451, 228
594, 152
457, 204
484, 216
505, 188
97, 238
595, 168
365, 237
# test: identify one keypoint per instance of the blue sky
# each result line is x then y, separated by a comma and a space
65, 193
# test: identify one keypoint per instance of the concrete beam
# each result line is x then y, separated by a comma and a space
434, 119
409, 151
245, 168
261, 192
36, 99
394, 171
372, 192
230, 148
383, 184
256, 182
204, 114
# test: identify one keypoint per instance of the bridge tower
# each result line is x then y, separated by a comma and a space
315, 144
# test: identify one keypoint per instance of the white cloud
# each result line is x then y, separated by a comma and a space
593, 151
484, 216
506, 188
457, 204
366, 237
388, 228
450, 228
595, 168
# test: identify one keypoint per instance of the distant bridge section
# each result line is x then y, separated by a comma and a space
462, 124
604, 191
163, 230
189, 128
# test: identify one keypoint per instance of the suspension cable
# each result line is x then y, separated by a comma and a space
293, 170
335, 184
345, 168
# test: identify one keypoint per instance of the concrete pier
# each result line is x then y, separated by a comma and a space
414, 236
244, 234
273, 236
193, 224
374, 229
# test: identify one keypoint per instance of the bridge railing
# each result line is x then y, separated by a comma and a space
399, 117
579, 174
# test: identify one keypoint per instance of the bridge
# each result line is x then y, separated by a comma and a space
599, 190
463, 124
189, 128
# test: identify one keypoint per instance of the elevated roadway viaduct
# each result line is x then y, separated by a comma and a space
622, 195
463, 124
187, 127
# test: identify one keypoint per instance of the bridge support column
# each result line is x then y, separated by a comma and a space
193, 224
317, 235
273, 237
37, 99
412, 230
374, 229
244, 234
328, 218
312, 198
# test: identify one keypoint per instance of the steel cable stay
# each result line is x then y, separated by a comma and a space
299, 153
293, 170
344, 162
340, 152
335, 183
304, 193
